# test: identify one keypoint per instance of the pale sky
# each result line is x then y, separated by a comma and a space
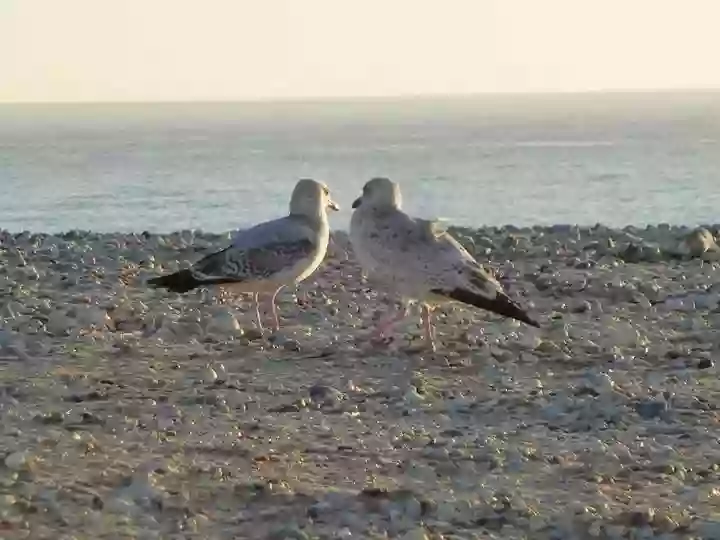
126, 50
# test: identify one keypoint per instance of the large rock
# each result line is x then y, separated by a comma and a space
701, 243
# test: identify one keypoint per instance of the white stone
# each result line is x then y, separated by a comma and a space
16, 461
223, 322
209, 375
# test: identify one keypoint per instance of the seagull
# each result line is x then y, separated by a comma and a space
418, 260
265, 258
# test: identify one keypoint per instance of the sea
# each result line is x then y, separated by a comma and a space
612, 158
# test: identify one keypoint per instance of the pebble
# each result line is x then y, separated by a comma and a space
420, 533
291, 345
601, 382
325, 394
12, 343
210, 376
288, 532
221, 372
705, 363
58, 324
16, 461
223, 323
651, 408
699, 242
547, 347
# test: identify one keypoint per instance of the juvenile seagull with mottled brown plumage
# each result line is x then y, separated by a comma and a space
416, 259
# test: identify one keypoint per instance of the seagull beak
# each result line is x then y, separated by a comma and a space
332, 205
357, 202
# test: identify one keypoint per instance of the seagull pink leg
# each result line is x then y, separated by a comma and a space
276, 319
256, 298
427, 326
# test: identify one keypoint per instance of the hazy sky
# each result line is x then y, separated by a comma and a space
91, 50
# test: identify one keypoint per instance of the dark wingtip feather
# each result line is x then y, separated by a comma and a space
501, 304
179, 282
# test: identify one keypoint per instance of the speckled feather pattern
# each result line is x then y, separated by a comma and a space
257, 262
414, 256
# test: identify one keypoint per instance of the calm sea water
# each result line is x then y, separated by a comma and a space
612, 158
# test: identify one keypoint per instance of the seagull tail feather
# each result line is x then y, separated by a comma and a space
501, 304
180, 282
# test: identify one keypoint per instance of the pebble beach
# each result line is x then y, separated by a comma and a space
130, 412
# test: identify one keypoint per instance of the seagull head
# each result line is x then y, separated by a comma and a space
311, 198
379, 193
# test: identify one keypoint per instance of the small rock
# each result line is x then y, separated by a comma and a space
16, 461
288, 532
416, 534
649, 409
325, 394
581, 306
209, 375
700, 241
221, 371
705, 363
547, 347
412, 397
224, 323
7, 501
291, 345
637, 518
318, 510
94, 317
57, 324
252, 334
50, 418
11, 343
602, 383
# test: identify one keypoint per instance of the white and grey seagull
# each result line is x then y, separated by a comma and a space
265, 258
415, 259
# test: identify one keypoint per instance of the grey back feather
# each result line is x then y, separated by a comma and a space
261, 251
256, 262
285, 229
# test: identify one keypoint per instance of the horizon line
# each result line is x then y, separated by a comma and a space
377, 97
